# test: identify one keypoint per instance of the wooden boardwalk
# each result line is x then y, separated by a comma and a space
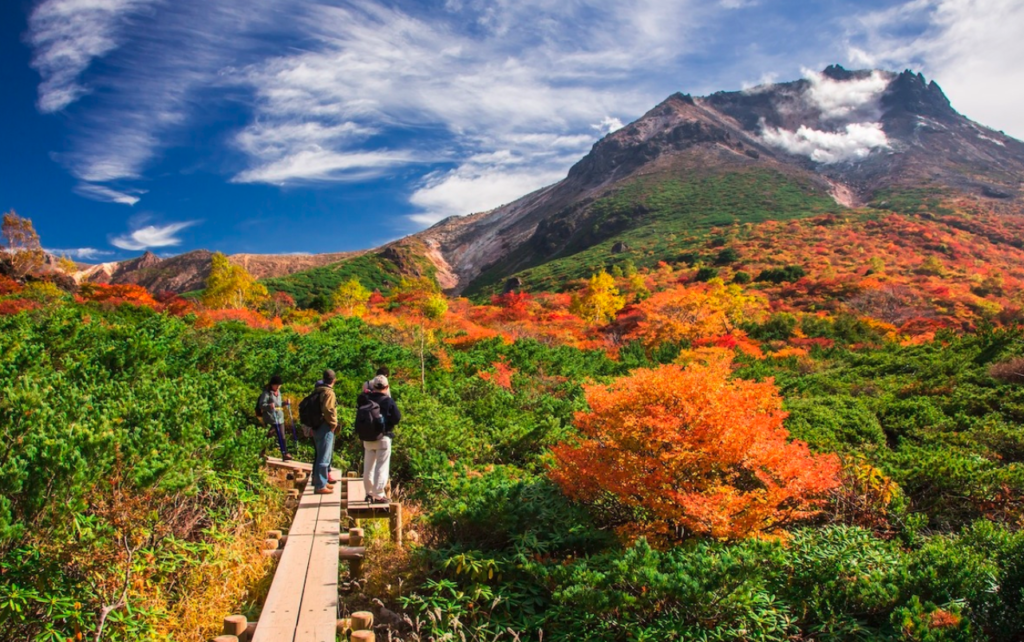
302, 605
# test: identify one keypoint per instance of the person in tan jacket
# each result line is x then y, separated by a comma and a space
323, 435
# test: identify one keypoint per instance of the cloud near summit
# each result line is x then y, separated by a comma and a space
852, 107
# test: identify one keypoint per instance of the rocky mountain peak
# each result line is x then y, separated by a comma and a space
911, 93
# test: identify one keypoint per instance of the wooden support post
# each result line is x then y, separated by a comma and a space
226, 638
355, 568
344, 625
235, 625
362, 621
250, 630
355, 537
363, 636
395, 522
352, 474
273, 534
271, 544
293, 493
275, 554
283, 540
343, 539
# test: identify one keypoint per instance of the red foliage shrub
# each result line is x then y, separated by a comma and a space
14, 306
9, 286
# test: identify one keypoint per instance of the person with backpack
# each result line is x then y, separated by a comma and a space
270, 407
381, 371
376, 418
319, 411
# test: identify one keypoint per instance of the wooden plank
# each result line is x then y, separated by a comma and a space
280, 613
319, 611
277, 462
356, 495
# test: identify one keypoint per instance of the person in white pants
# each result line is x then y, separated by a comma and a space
377, 454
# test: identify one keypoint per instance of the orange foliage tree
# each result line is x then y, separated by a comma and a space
692, 448
689, 313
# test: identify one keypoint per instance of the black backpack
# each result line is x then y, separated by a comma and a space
370, 424
311, 412
259, 406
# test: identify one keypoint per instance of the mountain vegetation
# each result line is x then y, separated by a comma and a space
708, 387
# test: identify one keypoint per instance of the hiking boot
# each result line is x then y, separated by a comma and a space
286, 457
369, 499
382, 500
323, 491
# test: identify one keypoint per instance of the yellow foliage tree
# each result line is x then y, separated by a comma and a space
21, 244
231, 286
66, 265
599, 300
690, 313
351, 298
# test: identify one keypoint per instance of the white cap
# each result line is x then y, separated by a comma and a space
380, 382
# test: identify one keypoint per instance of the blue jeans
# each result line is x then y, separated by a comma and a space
323, 446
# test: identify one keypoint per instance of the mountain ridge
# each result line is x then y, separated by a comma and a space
855, 136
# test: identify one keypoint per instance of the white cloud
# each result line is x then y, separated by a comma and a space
608, 125
151, 236
316, 164
519, 93
81, 253
109, 195
855, 142
471, 188
66, 36
857, 99
973, 48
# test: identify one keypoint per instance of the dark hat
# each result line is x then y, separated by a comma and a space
383, 370
276, 380
329, 376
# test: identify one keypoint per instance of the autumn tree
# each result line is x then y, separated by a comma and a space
689, 313
21, 244
692, 448
230, 286
280, 303
351, 298
66, 265
599, 300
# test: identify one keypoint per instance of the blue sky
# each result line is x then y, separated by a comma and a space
280, 126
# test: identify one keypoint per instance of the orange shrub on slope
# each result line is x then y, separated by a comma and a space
691, 447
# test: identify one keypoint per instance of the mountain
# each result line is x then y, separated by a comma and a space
831, 141
670, 185
189, 271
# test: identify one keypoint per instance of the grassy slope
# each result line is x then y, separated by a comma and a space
678, 213
376, 271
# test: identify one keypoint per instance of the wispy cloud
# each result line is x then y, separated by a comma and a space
151, 236
487, 84
108, 194
66, 36
156, 73
973, 47
81, 253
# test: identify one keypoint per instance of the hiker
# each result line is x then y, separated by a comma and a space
376, 418
381, 371
323, 435
272, 410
